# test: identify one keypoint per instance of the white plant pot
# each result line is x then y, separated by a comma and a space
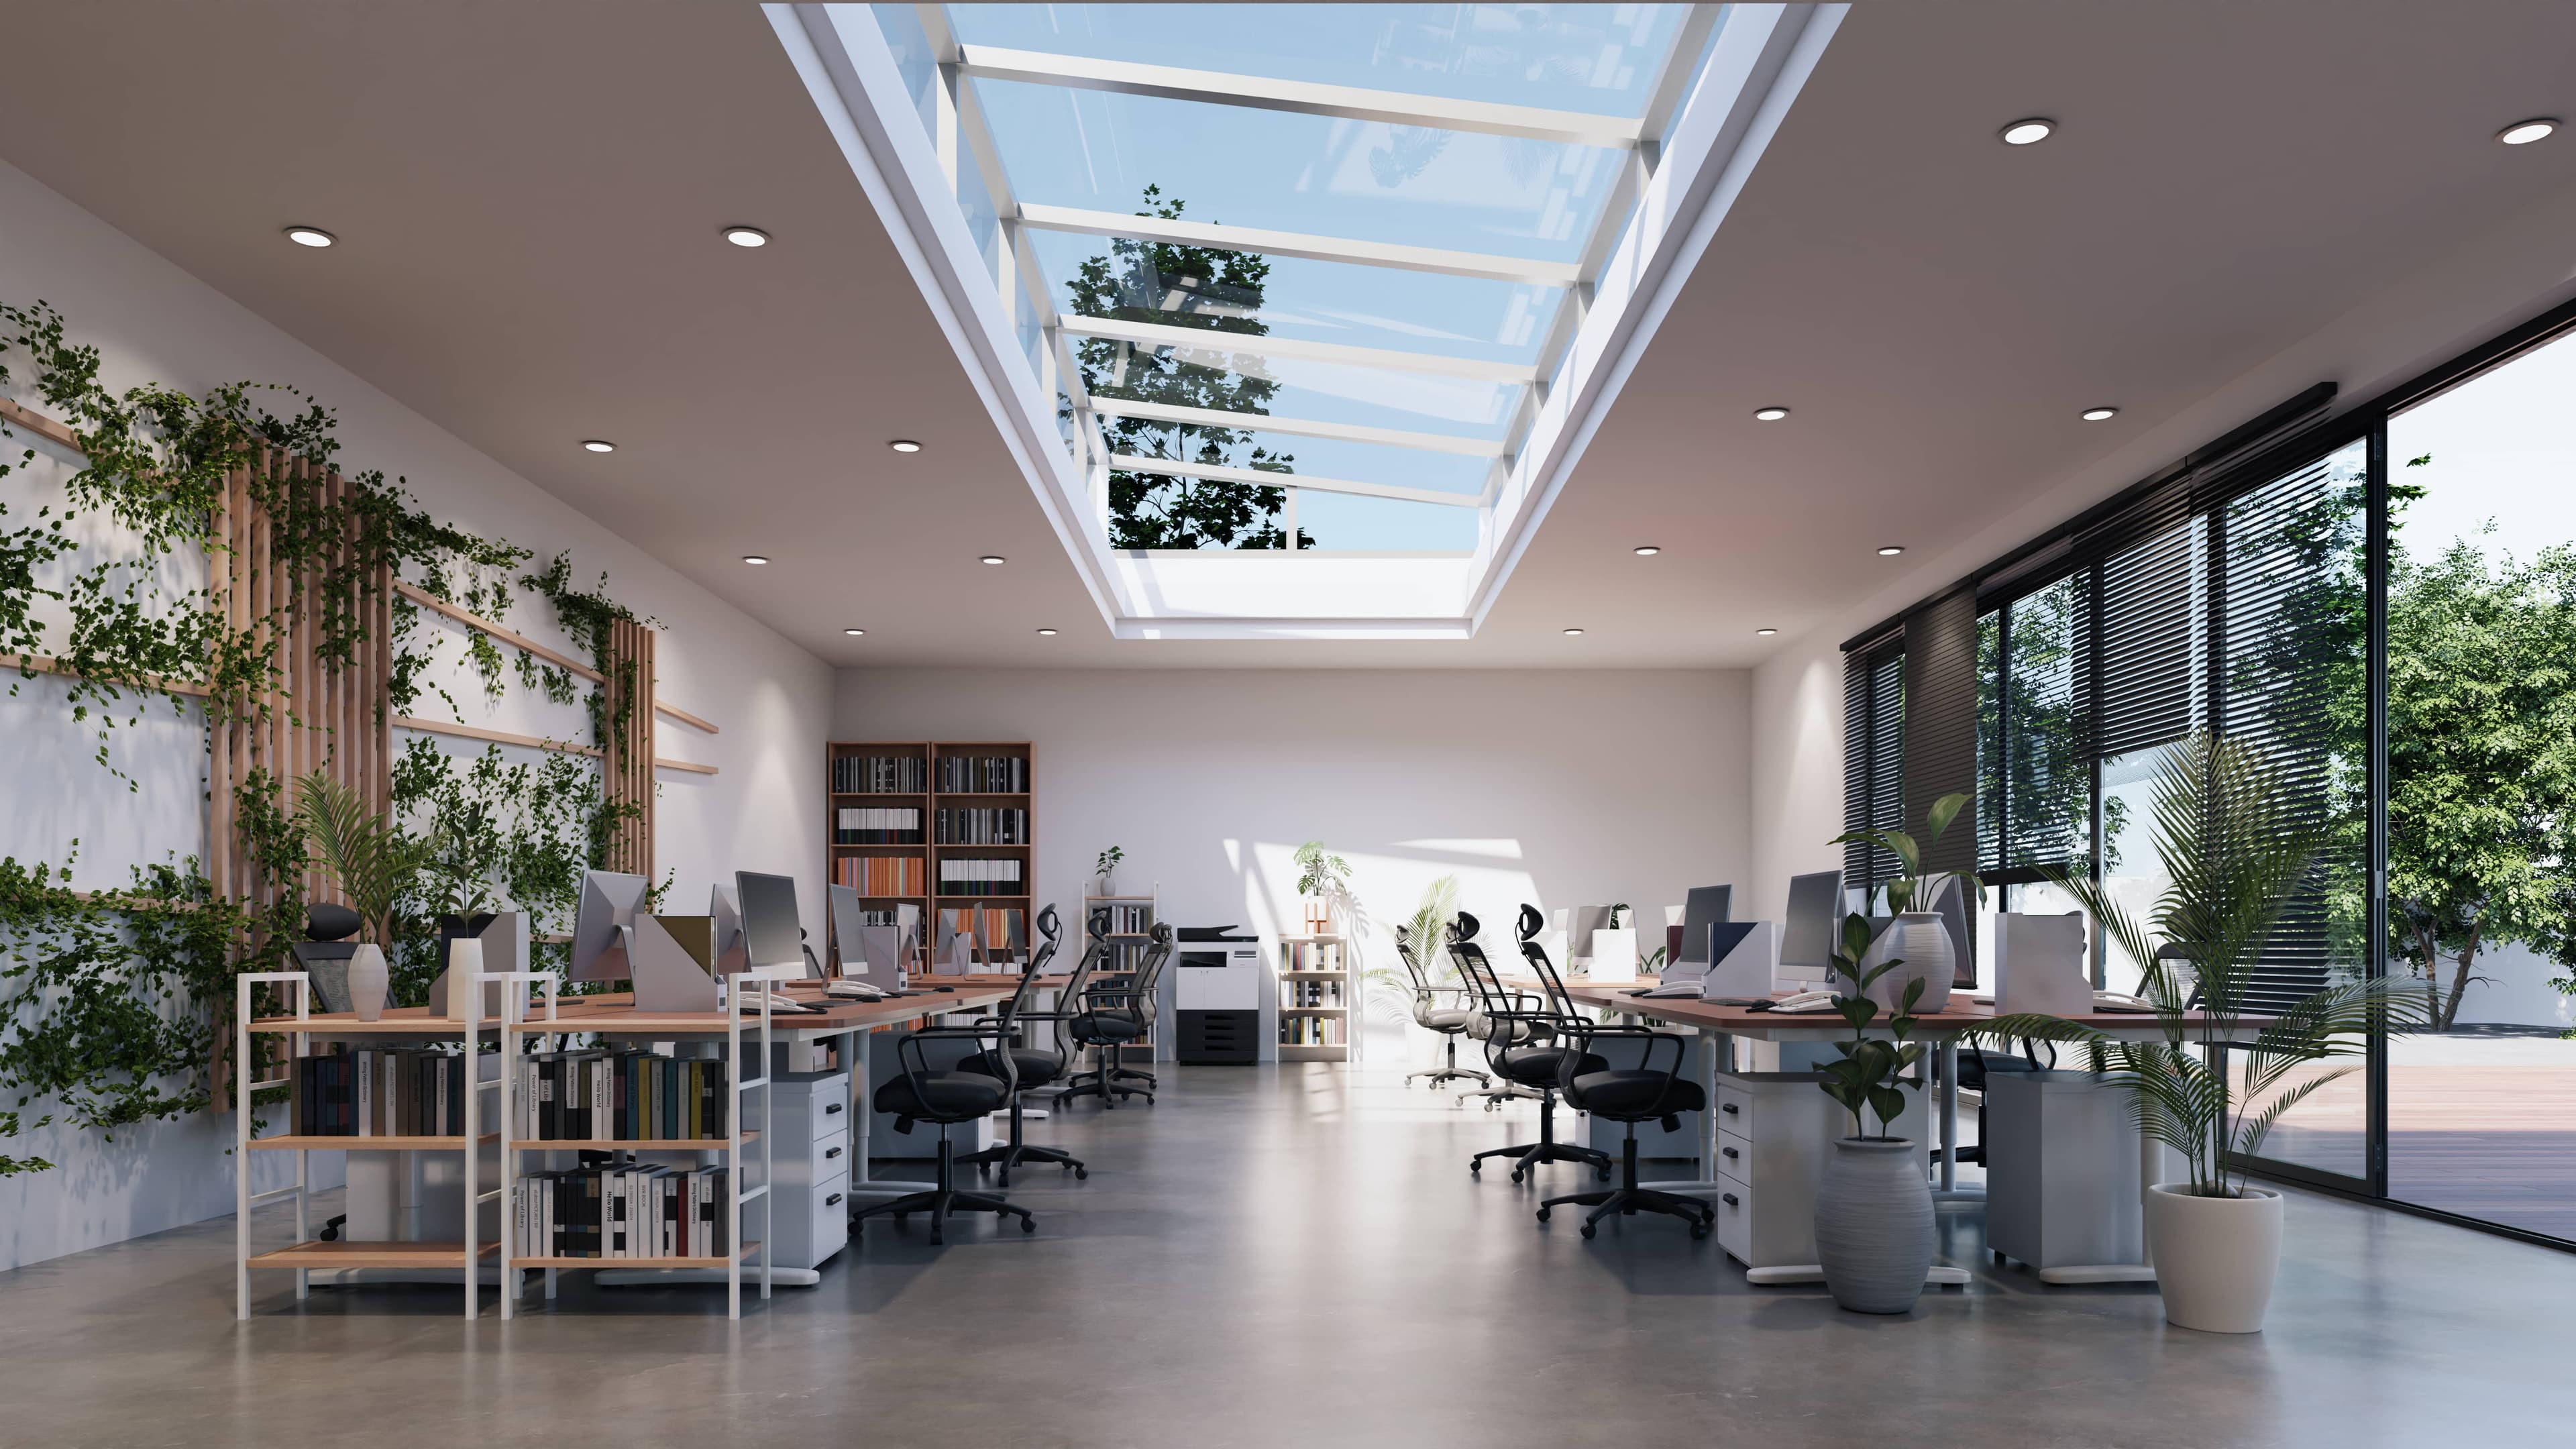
1921, 945
368, 982
2215, 1256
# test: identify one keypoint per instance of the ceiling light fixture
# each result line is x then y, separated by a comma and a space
904, 445
309, 236
746, 236
994, 558
1046, 633
854, 633
1570, 633
2523, 133
755, 559
1890, 550
2028, 131
1765, 633
598, 445
2098, 415
1769, 415
1645, 551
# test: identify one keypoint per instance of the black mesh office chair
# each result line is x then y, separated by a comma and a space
1115, 1014
945, 1099
1029, 1067
1526, 1044
1450, 1021
1629, 1095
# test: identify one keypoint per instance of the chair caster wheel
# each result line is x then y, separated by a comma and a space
1004, 1180
1699, 1230
1590, 1231
1516, 1174
1543, 1213
1600, 1174
1028, 1225
1082, 1174
1475, 1169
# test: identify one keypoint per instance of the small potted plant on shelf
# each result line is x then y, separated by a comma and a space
1874, 1228
2236, 846
1105, 868
372, 861
1917, 935
1324, 882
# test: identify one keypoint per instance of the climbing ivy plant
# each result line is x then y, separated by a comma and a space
113, 1003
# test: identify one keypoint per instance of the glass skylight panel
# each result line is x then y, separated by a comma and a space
1309, 457
1345, 521
1458, 407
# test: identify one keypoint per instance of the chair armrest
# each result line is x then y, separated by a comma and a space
1587, 1031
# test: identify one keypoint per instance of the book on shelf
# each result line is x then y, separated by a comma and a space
375, 1092
632, 1210
981, 877
1311, 1031
982, 825
880, 875
1312, 955
1127, 920
877, 775
867, 825
983, 775
626, 1096
1311, 994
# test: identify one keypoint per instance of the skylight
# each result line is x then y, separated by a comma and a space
1313, 281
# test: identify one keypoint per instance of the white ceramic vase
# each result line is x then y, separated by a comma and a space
1920, 944
464, 960
1874, 1229
2215, 1256
368, 981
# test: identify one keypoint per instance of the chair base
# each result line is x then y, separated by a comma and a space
1628, 1199
941, 1200
1528, 1157
1010, 1155
1439, 1075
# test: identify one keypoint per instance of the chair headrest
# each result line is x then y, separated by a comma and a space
1531, 921
1098, 923
1462, 928
1048, 925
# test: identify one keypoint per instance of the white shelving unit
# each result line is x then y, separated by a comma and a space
1127, 948
1315, 998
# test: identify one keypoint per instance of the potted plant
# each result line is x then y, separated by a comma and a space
457, 863
1918, 935
1105, 867
372, 862
2232, 841
1874, 1228
1324, 882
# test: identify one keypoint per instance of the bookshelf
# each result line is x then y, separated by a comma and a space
1314, 998
939, 826
1131, 926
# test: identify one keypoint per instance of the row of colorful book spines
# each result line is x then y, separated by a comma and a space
372, 1093
1310, 1031
621, 1096
882, 875
983, 775
641, 1211
877, 775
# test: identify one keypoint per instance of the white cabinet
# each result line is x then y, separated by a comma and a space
809, 1155
1774, 1133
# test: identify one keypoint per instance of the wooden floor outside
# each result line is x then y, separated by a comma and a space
2494, 1142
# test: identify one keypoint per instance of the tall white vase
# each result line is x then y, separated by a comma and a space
368, 981
1920, 944
464, 960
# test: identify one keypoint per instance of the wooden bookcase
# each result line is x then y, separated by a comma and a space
928, 851
1314, 998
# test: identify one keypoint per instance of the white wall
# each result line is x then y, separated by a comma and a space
1558, 788
771, 700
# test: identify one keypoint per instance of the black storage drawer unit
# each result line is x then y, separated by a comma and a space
1220, 1038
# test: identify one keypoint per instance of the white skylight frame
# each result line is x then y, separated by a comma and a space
1683, 162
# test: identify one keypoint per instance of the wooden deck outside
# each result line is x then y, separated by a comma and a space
2491, 1142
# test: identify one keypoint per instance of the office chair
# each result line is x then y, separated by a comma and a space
1530, 1050
1028, 1067
945, 1099
1493, 1010
1630, 1095
1451, 1022
1095, 949
1975, 1069
1115, 1015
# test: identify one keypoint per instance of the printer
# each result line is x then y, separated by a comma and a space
1216, 992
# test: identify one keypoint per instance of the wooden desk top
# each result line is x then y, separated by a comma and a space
840, 1016
1960, 1015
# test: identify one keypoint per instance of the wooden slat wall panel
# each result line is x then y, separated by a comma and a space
627, 770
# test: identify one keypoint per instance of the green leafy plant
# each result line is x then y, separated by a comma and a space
1903, 890
1391, 990
370, 857
2237, 852
1107, 862
1321, 873
1867, 1076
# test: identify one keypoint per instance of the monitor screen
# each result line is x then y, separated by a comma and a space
849, 914
610, 902
1578, 935
1704, 907
726, 908
1807, 936
770, 935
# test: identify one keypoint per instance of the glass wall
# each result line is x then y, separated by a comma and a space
2482, 793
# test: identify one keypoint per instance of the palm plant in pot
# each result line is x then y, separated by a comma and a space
1874, 1228
1917, 935
373, 863
2231, 837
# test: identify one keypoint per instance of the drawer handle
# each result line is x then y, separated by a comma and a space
1727, 1107
1726, 1152
833, 1201
831, 1107
831, 1152
1728, 1198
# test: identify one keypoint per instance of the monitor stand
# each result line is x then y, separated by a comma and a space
666, 977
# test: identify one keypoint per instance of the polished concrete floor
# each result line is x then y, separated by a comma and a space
1297, 1256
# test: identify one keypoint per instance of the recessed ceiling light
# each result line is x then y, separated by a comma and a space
314, 236
746, 236
598, 445
1769, 415
854, 633
904, 445
2028, 131
994, 558
753, 558
2096, 415
1046, 633
2523, 133
1766, 633
1571, 632
1890, 551
1645, 550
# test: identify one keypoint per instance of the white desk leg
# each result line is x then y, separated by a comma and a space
862, 1182
1706, 1184
1949, 1189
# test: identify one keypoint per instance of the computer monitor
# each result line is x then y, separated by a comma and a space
1579, 929
726, 907
611, 902
771, 937
849, 947
1807, 936
1952, 902
1704, 907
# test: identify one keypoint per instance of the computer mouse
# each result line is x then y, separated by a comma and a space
939, 988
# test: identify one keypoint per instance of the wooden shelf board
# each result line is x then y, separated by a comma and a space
658, 1144
310, 1142
371, 1255
397, 1021
1314, 1011
1312, 975
905, 845
1312, 1052
747, 1250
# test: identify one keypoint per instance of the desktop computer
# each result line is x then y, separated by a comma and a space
615, 938
1809, 932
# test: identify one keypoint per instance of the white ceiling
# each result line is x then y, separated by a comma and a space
528, 196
